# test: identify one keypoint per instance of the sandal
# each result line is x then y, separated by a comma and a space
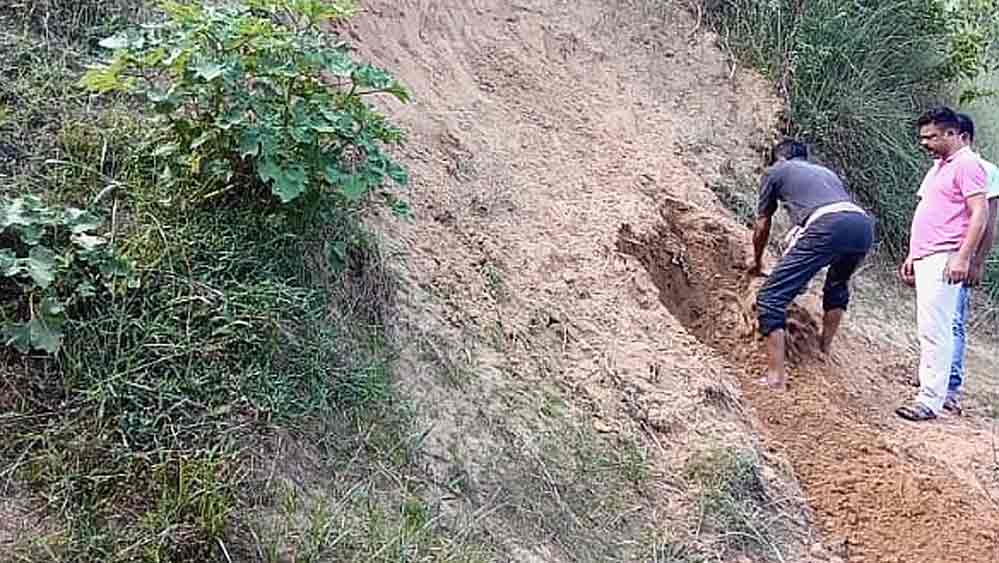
952, 405
915, 413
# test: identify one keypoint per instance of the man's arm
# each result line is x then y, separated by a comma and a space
761, 235
765, 209
987, 242
959, 267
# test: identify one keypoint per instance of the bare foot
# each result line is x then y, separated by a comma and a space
777, 382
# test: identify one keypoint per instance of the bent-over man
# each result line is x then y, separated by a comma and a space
829, 230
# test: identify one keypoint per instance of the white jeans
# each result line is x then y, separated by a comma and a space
936, 307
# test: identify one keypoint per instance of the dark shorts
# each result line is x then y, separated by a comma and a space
837, 240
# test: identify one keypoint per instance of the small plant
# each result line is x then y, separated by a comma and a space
257, 93
733, 499
50, 260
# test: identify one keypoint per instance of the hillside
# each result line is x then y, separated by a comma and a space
551, 359
569, 237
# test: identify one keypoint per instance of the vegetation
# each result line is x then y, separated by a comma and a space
185, 273
855, 75
244, 96
734, 501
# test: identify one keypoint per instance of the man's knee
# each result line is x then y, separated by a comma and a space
836, 297
771, 311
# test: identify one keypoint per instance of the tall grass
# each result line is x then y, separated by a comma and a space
854, 75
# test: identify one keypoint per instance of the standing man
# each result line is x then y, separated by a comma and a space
966, 128
947, 229
829, 230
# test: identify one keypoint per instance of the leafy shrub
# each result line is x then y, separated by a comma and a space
50, 260
257, 94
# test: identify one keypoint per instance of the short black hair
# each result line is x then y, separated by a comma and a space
788, 149
941, 116
966, 126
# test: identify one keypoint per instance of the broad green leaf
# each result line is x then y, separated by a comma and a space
86, 289
115, 268
18, 335
249, 142
31, 234
15, 214
339, 63
9, 264
88, 242
268, 170
290, 184
163, 102
44, 336
335, 176
370, 76
80, 221
8, 260
116, 41
107, 78
231, 119
52, 312
41, 266
208, 70
354, 188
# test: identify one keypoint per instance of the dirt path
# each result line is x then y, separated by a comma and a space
540, 128
884, 491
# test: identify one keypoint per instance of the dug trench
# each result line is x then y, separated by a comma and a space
874, 501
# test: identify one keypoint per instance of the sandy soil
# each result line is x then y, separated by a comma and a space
566, 235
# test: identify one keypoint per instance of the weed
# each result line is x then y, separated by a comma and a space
494, 281
734, 501
557, 491
992, 405
736, 199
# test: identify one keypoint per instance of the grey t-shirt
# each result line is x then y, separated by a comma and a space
802, 186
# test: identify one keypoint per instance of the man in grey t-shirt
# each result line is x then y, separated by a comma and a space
829, 230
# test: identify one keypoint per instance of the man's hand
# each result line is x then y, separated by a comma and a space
977, 273
755, 268
907, 272
958, 269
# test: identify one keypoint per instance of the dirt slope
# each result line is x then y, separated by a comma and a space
571, 279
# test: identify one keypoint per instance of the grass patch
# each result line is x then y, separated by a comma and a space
145, 438
735, 504
577, 491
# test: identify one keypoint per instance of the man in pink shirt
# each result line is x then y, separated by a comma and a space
946, 230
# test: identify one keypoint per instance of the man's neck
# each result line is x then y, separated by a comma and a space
955, 151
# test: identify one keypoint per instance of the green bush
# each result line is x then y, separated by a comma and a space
256, 93
855, 75
51, 260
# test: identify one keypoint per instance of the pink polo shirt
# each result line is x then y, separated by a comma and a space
943, 216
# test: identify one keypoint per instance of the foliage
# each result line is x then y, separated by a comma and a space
51, 261
256, 93
138, 441
855, 75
